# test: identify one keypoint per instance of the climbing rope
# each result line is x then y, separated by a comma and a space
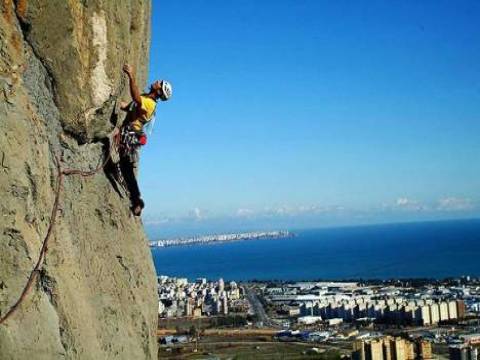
43, 250
61, 173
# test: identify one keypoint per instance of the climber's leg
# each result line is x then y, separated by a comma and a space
128, 171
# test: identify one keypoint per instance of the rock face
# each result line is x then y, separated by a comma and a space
60, 73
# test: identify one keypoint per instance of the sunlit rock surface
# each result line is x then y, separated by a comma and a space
60, 72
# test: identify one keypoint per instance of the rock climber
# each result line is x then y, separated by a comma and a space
131, 134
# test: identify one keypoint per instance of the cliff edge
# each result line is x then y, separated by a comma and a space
60, 74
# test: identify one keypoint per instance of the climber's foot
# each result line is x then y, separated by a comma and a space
138, 207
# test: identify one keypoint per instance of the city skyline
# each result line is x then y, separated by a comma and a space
314, 113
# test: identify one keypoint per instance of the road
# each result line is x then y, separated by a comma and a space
258, 308
225, 332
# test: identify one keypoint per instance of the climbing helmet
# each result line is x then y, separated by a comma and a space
166, 90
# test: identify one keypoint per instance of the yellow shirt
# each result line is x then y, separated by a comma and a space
144, 114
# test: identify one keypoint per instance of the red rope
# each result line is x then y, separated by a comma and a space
87, 173
60, 177
41, 257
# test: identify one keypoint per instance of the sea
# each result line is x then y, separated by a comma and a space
412, 250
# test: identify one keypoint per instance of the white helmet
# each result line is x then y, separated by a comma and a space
166, 90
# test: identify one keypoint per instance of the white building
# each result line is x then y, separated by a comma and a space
161, 307
225, 305
309, 320
452, 310
443, 311
434, 314
422, 314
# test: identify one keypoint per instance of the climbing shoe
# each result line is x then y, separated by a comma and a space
137, 207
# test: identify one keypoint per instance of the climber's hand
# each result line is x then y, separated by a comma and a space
124, 105
128, 69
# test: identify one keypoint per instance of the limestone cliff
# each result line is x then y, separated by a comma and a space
60, 73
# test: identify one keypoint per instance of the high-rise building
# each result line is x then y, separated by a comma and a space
218, 307
474, 352
225, 305
434, 313
424, 349
386, 348
452, 310
358, 350
221, 286
463, 352
409, 350
188, 307
443, 307
399, 351
374, 350
460, 309
161, 307
197, 312
422, 315
408, 314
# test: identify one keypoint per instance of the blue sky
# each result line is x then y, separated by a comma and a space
293, 113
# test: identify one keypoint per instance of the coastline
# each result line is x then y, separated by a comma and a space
375, 252
221, 238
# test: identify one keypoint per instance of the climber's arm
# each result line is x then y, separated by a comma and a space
134, 91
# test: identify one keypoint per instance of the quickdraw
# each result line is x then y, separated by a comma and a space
131, 140
127, 141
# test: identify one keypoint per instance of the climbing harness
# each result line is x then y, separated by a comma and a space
126, 144
131, 140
